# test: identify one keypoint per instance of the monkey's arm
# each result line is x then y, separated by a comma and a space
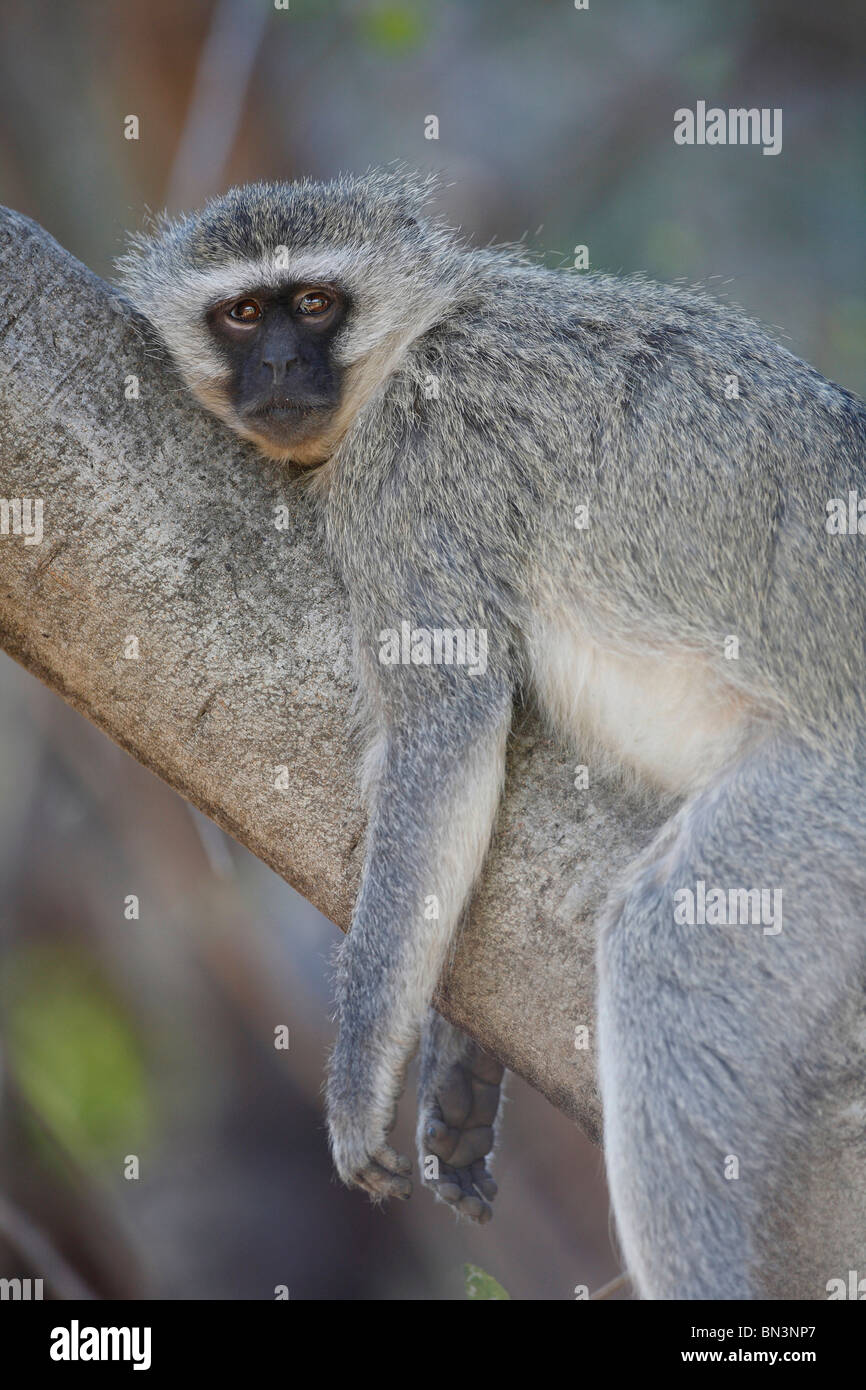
432, 813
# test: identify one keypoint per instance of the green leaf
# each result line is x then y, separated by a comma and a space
480, 1284
394, 27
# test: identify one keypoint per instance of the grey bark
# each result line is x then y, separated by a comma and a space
160, 525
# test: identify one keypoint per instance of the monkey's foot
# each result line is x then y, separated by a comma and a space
456, 1134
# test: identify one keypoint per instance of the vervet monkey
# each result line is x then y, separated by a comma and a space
457, 412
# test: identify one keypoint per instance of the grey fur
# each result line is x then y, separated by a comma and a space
706, 519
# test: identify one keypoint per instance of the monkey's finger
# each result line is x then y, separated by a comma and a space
390, 1159
440, 1140
449, 1191
473, 1207
455, 1096
472, 1144
476, 1209
485, 1068
379, 1182
485, 1102
483, 1181
455, 1187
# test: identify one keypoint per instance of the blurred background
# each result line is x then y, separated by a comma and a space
141, 1038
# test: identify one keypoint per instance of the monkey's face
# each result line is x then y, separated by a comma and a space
288, 306
283, 383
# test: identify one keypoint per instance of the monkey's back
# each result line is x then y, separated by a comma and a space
704, 453
706, 456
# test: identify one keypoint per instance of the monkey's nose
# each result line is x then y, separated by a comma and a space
278, 368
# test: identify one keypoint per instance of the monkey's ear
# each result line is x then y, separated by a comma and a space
156, 228
144, 267
409, 191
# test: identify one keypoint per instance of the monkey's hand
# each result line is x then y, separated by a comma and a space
458, 1102
359, 1134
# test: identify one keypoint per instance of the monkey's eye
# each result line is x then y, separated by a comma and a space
314, 302
245, 311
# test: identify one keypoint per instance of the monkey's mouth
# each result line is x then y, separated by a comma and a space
278, 411
282, 425
287, 418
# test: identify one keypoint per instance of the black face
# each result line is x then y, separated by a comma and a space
278, 345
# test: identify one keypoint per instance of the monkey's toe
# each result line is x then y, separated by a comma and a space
468, 1190
457, 1135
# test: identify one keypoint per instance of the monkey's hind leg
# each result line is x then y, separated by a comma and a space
721, 1029
459, 1091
